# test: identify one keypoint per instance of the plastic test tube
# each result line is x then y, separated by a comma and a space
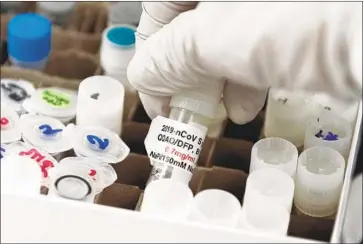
319, 180
266, 218
287, 114
100, 102
329, 130
117, 50
269, 185
276, 153
215, 207
58, 12
29, 40
20, 175
167, 199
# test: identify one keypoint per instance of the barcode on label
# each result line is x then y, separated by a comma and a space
168, 172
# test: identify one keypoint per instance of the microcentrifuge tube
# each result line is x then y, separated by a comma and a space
329, 130
274, 153
215, 207
168, 199
287, 114
319, 180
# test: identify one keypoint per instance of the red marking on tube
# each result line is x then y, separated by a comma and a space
4, 122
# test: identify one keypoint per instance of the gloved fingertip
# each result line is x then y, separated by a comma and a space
155, 105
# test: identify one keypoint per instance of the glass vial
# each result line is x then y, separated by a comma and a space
195, 108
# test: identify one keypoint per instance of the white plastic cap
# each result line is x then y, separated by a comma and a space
269, 185
10, 129
101, 102
265, 218
329, 130
215, 207
15, 92
275, 153
20, 175
71, 182
52, 101
319, 180
204, 101
166, 198
97, 143
103, 174
56, 7
44, 132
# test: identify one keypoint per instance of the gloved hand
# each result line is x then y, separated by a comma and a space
316, 46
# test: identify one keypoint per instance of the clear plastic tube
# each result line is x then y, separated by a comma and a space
287, 114
167, 199
319, 181
215, 207
329, 130
271, 186
275, 153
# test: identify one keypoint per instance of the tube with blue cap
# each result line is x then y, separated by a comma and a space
29, 40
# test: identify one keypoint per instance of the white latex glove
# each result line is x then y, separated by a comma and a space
315, 46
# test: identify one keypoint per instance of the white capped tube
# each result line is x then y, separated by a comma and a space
329, 130
274, 153
20, 175
271, 186
117, 50
215, 207
265, 218
319, 180
167, 198
101, 102
287, 114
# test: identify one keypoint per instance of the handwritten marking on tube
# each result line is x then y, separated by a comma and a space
102, 143
48, 130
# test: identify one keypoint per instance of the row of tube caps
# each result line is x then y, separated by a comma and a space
269, 194
32, 50
36, 132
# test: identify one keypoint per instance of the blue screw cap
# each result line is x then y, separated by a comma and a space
29, 37
122, 36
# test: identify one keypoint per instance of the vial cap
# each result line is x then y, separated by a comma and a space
10, 127
29, 37
20, 175
319, 180
328, 129
269, 185
265, 218
121, 36
14, 92
274, 153
98, 143
71, 181
56, 7
215, 207
204, 101
45, 132
52, 101
103, 174
168, 199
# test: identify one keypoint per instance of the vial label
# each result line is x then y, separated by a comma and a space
43, 160
174, 143
55, 99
